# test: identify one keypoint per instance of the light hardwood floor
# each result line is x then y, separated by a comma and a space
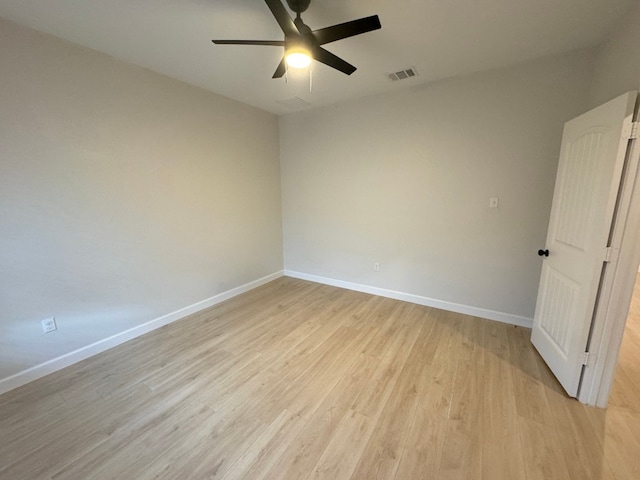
296, 380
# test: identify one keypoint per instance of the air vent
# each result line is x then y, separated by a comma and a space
403, 74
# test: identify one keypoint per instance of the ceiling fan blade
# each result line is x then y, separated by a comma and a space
282, 17
328, 58
281, 70
269, 43
348, 29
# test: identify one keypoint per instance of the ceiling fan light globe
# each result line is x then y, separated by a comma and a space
298, 60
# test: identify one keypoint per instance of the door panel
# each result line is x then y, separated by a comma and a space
589, 171
560, 301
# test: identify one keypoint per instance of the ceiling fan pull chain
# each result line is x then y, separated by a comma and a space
310, 78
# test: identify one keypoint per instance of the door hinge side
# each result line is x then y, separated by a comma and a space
589, 359
607, 254
631, 130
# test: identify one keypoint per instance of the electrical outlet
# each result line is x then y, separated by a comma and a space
49, 325
376, 267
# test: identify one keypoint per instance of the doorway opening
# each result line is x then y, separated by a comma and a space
625, 392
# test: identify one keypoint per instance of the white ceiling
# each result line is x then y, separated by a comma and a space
441, 38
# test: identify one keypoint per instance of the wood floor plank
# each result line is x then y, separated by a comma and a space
341, 455
461, 453
620, 446
440, 372
373, 396
502, 454
462, 450
383, 451
307, 447
298, 376
136, 450
267, 449
542, 457
83, 427
530, 397
226, 438
325, 377
422, 453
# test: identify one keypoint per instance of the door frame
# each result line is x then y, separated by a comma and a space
613, 303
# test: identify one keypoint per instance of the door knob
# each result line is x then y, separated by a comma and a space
543, 253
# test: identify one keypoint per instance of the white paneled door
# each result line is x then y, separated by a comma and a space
592, 158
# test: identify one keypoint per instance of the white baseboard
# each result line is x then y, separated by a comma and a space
55, 364
408, 297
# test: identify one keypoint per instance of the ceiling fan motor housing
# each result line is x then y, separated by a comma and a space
298, 6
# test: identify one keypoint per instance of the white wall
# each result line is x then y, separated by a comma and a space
617, 62
404, 179
124, 195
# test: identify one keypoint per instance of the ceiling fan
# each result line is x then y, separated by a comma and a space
301, 44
